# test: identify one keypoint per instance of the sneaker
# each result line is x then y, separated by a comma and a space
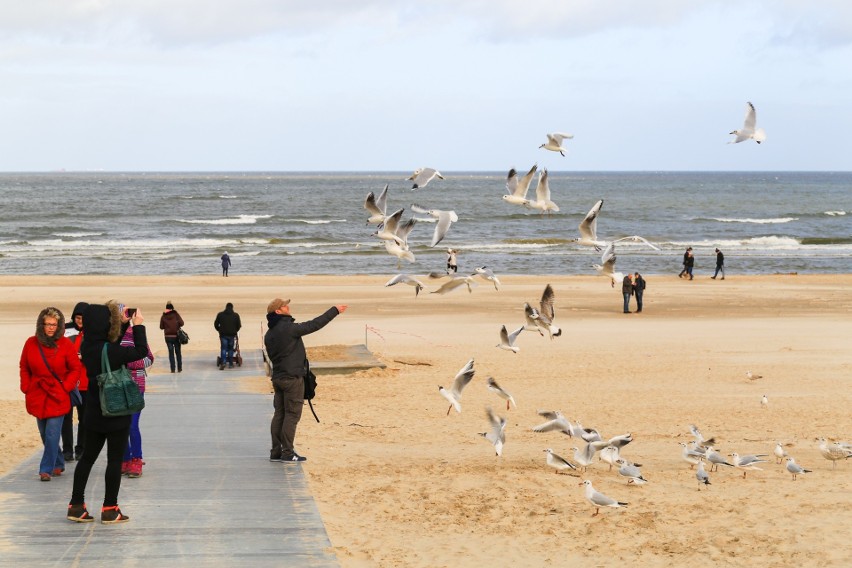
222, 367
135, 468
69, 456
113, 515
78, 453
712, 278
295, 458
276, 459
57, 471
125, 467
79, 514
44, 476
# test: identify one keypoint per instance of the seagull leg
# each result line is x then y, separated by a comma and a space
507, 405
597, 511
448, 410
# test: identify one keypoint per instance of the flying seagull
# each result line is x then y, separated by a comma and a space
376, 206
542, 195
554, 142
406, 279
445, 219
453, 395
544, 316
422, 176
487, 274
748, 131
507, 340
518, 187
607, 265
497, 434
492, 385
589, 228
455, 282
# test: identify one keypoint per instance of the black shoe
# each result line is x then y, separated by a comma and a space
712, 278
230, 365
222, 367
628, 312
295, 458
78, 454
180, 370
276, 459
69, 456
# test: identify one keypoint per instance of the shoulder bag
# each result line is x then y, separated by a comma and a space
182, 336
118, 391
310, 387
76, 397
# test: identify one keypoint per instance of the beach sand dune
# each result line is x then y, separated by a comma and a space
400, 483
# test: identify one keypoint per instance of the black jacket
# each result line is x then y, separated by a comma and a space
228, 322
639, 285
284, 343
627, 286
720, 259
96, 328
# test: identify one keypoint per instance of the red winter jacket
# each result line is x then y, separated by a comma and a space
45, 396
76, 341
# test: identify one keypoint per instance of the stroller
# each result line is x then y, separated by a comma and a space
238, 358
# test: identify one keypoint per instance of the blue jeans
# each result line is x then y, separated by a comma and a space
719, 267
134, 442
174, 353
50, 430
227, 349
638, 301
626, 302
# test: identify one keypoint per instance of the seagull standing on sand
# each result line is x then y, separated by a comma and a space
492, 385
554, 142
795, 468
453, 395
542, 196
445, 219
701, 475
690, 456
598, 499
544, 316
610, 455
507, 340
558, 462
584, 457
487, 274
607, 265
748, 131
497, 434
422, 176
518, 187
833, 452
376, 207
752, 377
631, 472
748, 463
406, 279
716, 459
780, 452
764, 402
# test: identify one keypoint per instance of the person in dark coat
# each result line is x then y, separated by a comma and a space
170, 323
226, 263
638, 290
102, 326
720, 265
683, 271
690, 262
74, 332
228, 324
286, 351
627, 291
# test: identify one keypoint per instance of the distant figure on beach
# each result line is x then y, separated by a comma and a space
690, 262
102, 326
226, 263
452, 264
228, 325
720, 265
49, 369
638, 290
170, 323
627, 291
74, 333
131, 465
286, 350
685, 262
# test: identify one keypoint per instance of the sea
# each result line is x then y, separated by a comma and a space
296, 223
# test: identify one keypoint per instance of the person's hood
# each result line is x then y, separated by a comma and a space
78, 311
272, 319
102, 322
41, 335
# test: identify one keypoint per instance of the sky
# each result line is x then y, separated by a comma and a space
392, 85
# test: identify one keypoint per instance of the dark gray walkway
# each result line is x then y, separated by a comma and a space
208, 495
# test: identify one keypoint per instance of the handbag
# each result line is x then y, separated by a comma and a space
182, 336
310, 387
118, 392
76, 397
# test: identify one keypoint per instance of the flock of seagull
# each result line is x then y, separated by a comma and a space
540, 319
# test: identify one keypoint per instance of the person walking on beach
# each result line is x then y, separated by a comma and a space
452, 264
690, 262
131, 465
228, 324
49, 369
170, 323
226, 263
685, 261
286, 350
638, 290
102, 326
720, 265
627, 291
74, 333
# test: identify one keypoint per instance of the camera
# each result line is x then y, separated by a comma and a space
130, 312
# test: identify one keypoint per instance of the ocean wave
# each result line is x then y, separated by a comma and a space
77, 235
758, 221
533, 241
315, 221
238, 220
134, 244
835, 213
228, 197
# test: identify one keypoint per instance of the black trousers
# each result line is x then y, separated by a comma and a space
116, 442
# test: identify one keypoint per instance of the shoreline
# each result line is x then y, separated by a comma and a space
398, 482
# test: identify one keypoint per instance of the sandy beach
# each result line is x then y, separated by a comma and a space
401, 483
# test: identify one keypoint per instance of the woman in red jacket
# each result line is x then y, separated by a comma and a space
50, 370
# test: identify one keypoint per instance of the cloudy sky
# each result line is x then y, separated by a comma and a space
340, 85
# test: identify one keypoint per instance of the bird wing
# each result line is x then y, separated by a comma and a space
750, 120
396, 280
403, 230
372, 206
463, 377
542, 190
608, 258
524, 183
421, 209
514, 335
445, 219
589, 225
549, 414
547, 303
559, 459
392, 222
558, 137
451, 285
637, 239
504, 338
512, 183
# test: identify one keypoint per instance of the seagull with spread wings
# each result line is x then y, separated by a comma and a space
422, 176
444, 220
545, 314
519, 186
748, 131
454, 393
554, 142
